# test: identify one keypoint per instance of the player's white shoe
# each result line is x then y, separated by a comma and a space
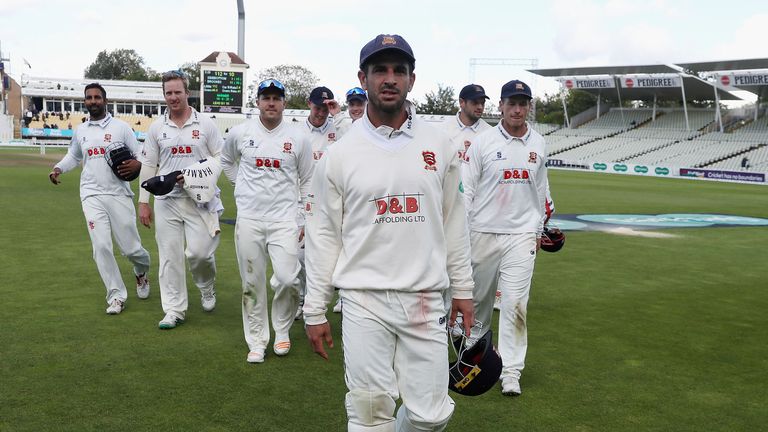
208, 300
115, 307
142, 286
282, 348
337, 306
510, 386
497, 301
170, 321
299, 312
255, 356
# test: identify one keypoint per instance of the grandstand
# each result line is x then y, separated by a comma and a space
669, 137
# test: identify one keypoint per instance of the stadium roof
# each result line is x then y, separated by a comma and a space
726, 65
604, 70
695, 88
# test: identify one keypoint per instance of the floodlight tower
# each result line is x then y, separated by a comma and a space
240, 29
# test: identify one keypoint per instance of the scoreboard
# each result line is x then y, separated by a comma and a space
222, 91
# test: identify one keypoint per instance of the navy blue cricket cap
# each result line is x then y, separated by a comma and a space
472, 92
384, 42
320, 94
516, 88
162, 184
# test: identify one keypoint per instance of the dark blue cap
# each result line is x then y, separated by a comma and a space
472, 92
516, 88
385, 42
320, 94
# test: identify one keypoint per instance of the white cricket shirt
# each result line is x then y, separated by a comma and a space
462, 134
89, 146
505, 182
269, 169
170, 148
321, 137
386, 213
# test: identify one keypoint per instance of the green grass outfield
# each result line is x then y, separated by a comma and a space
626, 333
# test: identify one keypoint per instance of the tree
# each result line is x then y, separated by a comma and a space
192, 69
298, 82
550, 109
120, 64
443, 102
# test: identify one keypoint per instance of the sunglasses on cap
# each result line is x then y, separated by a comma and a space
356, 91
178, 73
270, 83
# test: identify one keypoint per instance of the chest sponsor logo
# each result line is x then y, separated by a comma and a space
264, 163
317, 155
400, 208
287, 146
195, 134
184, 151
107, 138
96, 151
429, 159
515, 176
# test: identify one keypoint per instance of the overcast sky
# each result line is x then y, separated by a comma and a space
61, 38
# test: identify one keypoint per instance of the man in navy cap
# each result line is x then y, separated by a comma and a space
356, 100
505, 187
468, 121
386, 225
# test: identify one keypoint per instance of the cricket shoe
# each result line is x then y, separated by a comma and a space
497, 301
208, 300
115, 307
282, 348
337, 306
256, 356
510, 386
142, 286
170, 321
299, 312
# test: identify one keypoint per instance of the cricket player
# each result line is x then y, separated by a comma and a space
356, 100
107, 200
468, 122
321, 131
178, 139
505, 187
386, 224
270, 163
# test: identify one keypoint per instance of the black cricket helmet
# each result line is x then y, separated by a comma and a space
162, 184
477, 366
552, 240
117, 153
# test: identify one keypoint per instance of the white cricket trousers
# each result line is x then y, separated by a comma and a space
254, 242
181, 231
505, 261
114, 215
395, 346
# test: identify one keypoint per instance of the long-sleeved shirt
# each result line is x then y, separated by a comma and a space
269, 169
170, 148
386, 213
89, 145
505, 182
321, 137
